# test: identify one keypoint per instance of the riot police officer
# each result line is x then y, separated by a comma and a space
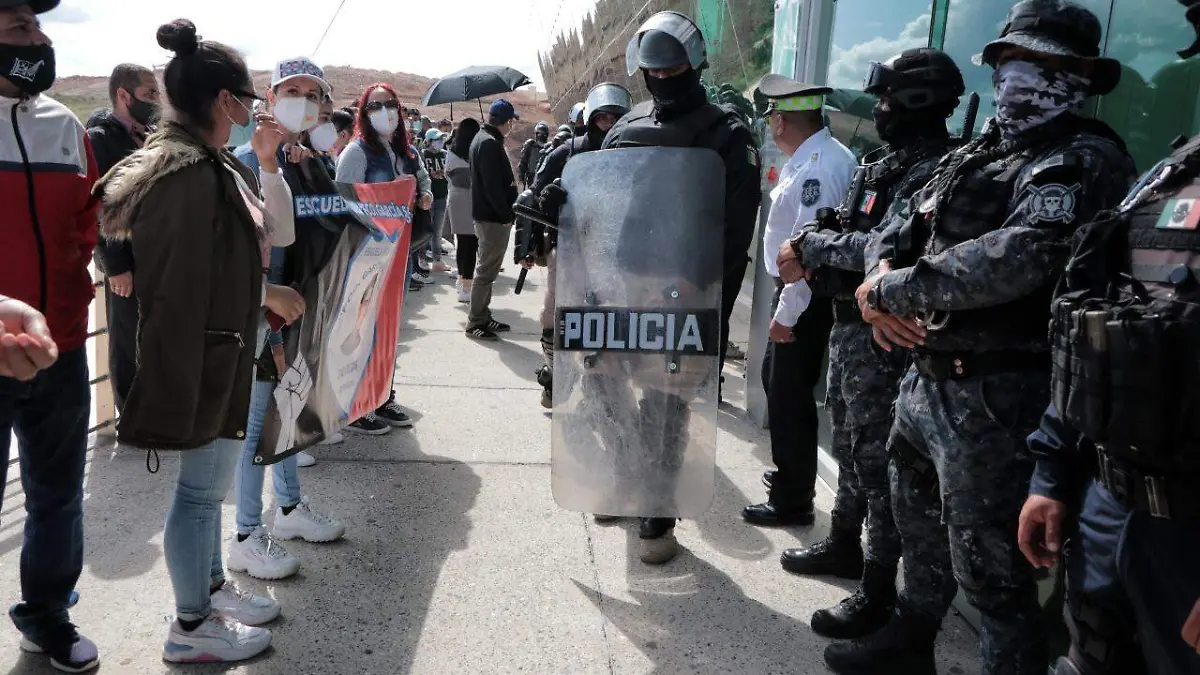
917, 90
531, 152
670, 51
606, 103
992, 229
576, 121
1120, 442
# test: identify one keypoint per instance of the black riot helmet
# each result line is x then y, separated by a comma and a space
917, 79
1057, 28
541, 132
607, 97
1193, 17
666, 40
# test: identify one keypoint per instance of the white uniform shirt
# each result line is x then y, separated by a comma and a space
817, 176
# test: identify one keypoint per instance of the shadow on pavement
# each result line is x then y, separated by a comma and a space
690, 618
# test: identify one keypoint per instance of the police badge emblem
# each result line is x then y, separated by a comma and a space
1054, 202
810, 192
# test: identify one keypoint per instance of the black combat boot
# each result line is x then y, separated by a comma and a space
902, 647
863, 613
839, 555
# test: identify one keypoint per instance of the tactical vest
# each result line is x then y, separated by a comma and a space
707, 126
972, 194
1127, 349
872, 190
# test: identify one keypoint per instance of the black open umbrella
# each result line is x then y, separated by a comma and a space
475, 83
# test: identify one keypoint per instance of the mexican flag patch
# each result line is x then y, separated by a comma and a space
1180, 214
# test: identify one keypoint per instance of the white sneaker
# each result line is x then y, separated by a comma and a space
261, 557
464, 294
336, 438
243, 606
305, 460
422, 277
307, 524
218, 639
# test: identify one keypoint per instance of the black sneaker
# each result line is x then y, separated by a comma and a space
69, 651
482, 334
368, 424
391, 413
497, 327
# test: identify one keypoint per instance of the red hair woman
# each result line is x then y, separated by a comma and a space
381, 152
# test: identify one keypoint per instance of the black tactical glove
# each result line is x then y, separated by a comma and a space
553, 197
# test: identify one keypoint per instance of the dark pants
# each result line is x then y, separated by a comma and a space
50, 418
122, 343
466, 254
731, 287
790, 373
1129, 573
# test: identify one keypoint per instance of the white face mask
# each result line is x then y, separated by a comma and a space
438, 144
297, 114
385, 120
323, 136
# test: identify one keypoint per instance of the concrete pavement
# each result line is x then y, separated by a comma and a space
456, 558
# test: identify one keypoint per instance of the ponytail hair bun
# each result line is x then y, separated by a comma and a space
179, 36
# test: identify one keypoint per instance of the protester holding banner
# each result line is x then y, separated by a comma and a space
298, 88
371, 159
200, 226
462, 223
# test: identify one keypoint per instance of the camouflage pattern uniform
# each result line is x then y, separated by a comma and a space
863, 380
1001, 214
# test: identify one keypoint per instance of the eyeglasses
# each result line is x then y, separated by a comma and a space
379, 105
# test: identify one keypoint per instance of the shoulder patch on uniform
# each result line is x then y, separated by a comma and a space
816, 157
810, 192
1054, 202
752, 155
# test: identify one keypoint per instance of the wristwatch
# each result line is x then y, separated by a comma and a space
875, 298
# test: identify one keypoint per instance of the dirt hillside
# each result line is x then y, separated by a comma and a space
85, 94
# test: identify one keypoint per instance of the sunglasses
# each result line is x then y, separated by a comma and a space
379, 105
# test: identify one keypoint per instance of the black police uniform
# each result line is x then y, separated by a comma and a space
719, 128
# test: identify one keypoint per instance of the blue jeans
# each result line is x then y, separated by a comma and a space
50, 418
192, 538
1141, 574
250, 476
439, 219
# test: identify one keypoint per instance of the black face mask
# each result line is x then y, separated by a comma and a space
595, 136
29, 67
144, 113
678, 93
898, 126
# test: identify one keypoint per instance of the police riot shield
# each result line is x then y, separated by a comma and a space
638, 304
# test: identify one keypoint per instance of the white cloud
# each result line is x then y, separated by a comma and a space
848, 67
92, 36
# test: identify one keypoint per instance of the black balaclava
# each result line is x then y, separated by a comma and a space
677, 94
595, 136
899, 126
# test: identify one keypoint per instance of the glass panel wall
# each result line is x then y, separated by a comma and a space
1158, 95
862, 34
